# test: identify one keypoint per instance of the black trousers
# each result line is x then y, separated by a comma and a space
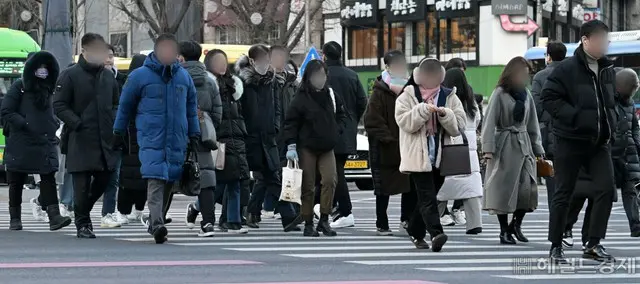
48, 193
408, 203
128, 198
550, 183
426, 217
407, 206
206, 200
341, 195
86, 193
575, 206
570, 156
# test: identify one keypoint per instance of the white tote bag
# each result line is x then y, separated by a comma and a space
291, 183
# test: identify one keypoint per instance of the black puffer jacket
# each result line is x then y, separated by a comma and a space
287, 89
232, 131
624, 151
580, 102
544, 118
261, 113
315, 120
31, 142
130, 176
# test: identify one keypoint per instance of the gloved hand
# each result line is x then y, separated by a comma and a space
193, 143
292, 154
118, 142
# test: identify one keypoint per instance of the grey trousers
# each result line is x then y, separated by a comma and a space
472, 210
158, 194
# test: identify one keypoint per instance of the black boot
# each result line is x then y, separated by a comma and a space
309, 231
324, 227
85, 232
15, 223
506, 238
252, 221
56, 221
515, 228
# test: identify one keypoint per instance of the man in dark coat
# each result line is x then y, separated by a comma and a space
261, 112
556, 52
345, 83
162, 99
580, 97
31, 142
86, 97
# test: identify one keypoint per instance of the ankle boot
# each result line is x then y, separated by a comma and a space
309, 231
15, 223
506, 238
56, 221
290, 224
324, 227
85, 232
515, 228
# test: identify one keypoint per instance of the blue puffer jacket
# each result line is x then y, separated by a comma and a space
164, 103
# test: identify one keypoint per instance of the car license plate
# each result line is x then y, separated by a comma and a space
356, 165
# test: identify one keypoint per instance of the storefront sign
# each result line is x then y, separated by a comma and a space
591, 14
530, 26
405, 10
11, 66
590, 3
359, 12
452, 5
509, 7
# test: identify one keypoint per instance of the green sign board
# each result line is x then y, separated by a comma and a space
11, 66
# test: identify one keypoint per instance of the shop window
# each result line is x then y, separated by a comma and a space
226, 35
458, 36
396, 34
363, 43
420, 32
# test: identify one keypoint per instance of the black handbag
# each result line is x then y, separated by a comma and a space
455, 159
190, 180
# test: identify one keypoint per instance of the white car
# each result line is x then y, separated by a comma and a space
358, 167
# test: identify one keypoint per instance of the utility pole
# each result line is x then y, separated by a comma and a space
307, 24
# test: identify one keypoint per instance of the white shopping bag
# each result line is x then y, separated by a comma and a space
291, 183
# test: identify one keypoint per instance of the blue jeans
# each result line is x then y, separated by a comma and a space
109, 197
269, 203
232, 192
66, 191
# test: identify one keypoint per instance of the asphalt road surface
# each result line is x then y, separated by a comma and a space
268, 255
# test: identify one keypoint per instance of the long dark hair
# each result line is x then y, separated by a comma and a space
312, 67
455, 77
514, 66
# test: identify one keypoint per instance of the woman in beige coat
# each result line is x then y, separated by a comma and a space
425, 112
511, 142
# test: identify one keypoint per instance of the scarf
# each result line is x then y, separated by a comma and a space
520, 95
396, 84
428, 97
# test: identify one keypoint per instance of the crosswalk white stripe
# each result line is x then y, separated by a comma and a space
426, 253
450, 261
592, 275
346, 248
251, 237
312, 243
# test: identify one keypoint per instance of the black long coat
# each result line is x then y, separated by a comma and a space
30, 125
85, 99
384, 149
624, 151
261, 112
232, 131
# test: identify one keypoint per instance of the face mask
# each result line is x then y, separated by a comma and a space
318, 83
262, 69
42, 73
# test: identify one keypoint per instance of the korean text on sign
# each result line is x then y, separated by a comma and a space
359, 10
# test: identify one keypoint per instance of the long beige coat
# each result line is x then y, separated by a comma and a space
412, 117
511, 175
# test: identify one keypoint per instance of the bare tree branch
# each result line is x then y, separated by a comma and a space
148, 18
183, 11
122, 7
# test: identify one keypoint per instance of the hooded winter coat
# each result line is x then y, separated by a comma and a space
208, 102
85, 99
384, 148
130, 176
164, 103
30, 125
287, 88
261, 111
626, 142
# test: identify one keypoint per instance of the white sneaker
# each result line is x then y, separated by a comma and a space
135, 215
37, 212
120, 218
277, 216
343, 222
459, 217
446, 220
316, 211
108, 221
64, 212
267, 214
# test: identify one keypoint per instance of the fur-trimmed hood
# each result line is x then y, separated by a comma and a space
248, 74
237, 85
34, 62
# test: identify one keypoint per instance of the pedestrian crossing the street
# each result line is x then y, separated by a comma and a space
361, 246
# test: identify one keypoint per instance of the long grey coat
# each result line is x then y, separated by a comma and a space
510, 180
